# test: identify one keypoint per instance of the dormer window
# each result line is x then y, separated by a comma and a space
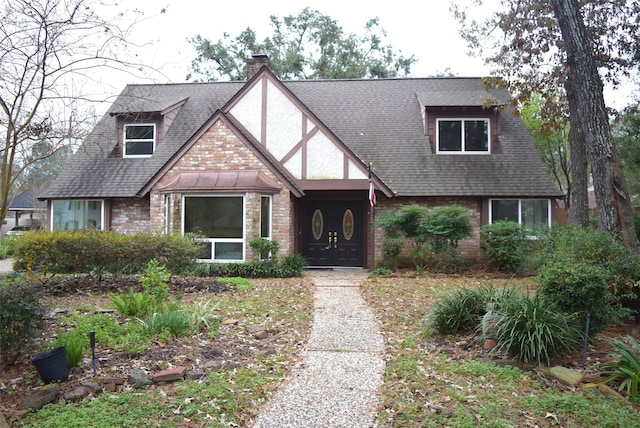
139, 140
462, 135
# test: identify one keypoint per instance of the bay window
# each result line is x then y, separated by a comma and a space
218, 222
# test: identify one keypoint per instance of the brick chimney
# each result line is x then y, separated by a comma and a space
255, 63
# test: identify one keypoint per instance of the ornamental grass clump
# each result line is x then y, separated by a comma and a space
463, 309
531, 329
175, 323
626, 371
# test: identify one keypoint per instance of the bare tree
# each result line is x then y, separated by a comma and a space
614, 204
50, 50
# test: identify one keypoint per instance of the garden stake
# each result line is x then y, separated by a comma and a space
92, 338
586, 340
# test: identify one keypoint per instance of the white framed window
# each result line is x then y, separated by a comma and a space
167, 214
265, 217
139, 140
463, 136
75, 214
218, 222
533, 214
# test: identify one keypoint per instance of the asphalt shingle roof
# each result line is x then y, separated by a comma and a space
379, 120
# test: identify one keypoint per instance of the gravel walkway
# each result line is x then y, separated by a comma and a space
6, 265
338, 380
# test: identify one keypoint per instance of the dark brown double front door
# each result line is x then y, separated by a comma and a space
332, 233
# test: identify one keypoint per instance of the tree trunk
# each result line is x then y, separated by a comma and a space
578, 193
614, 205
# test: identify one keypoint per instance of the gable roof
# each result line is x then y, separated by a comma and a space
378, 120
26, 201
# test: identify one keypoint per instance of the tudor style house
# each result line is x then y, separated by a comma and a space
289, 160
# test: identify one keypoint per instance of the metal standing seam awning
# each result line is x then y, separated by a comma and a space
221, 181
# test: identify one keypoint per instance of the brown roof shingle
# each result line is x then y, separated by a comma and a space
379, 120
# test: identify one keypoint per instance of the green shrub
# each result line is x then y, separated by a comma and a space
444, 226
267, 249
580, 287
505, 246
533, 330
574, 244
21, 315
154, 298
448, 260
292, 266
392, 247
4, 249
626, 371
433, 235
154, 284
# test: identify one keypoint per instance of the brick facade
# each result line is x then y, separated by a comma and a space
470, 248
219, 149
130, 216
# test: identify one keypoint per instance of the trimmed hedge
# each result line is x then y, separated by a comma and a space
100, 252
289, 266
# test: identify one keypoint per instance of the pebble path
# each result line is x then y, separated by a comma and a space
338, 380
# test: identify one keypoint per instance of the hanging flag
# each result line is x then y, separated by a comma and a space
372, 190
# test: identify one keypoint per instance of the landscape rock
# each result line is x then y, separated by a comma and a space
42, 396
139, 379
110, 384
105, 380
265, 352
3, 422
77, 394
260, 334
169, 375
611, 393
565, 375
92, 386
210, 365
193, 374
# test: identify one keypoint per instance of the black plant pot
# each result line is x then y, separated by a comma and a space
52, 365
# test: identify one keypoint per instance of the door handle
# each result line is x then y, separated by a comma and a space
335, 239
